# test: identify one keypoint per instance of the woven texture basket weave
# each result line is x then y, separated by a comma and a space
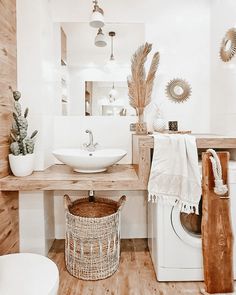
92, 247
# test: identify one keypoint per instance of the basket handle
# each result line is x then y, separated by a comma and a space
67, 202
121, 202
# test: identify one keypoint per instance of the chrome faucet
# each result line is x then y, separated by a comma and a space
91, 147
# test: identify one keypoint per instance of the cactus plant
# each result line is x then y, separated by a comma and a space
21, 144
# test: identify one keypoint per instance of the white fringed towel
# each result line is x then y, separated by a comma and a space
175, 177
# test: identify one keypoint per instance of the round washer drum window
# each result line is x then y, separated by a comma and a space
192, 222
187, 227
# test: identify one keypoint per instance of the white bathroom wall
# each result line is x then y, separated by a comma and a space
38, 79
36, 221
82, 52
38, 61
180, 30
109, 132
223, 75
181, 33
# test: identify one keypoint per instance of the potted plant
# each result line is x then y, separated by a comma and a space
21, 158
140, 85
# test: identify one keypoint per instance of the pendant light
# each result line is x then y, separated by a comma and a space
112, 35
97, 17
111, 63
100, 39
113, 93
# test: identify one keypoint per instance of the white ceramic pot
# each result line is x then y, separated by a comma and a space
159, 124
21, 165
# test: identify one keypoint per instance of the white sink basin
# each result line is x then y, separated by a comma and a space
89, 162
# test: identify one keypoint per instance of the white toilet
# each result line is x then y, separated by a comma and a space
28, 274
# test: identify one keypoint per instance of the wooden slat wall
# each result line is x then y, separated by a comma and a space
9, 233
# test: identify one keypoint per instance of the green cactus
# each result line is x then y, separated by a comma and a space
23, 148
20, 142
26, 112
15, 148
29, 142
34, 134
23, 133
21, 122
14, 126
16, 95
17, 108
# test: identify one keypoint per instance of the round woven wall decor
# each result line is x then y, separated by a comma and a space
178, 90
228, 45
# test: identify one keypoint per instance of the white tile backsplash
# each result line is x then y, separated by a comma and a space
109, 132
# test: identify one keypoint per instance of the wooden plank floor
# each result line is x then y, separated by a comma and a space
135, 275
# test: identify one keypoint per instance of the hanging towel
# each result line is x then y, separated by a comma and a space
175, 177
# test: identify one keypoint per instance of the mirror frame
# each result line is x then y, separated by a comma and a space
173, 96
227, 54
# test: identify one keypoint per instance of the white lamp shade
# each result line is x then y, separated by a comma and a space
100, 40
97, 20
113, 94
111, 66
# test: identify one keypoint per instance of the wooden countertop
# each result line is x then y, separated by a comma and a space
142, 144
62, 177
117, 177
203, 141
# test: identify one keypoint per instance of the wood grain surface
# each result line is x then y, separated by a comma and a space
62, 177
217, 237
9, 232
202, 141
9, 223
7, 76
135, 275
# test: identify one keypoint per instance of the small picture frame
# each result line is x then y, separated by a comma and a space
173, 125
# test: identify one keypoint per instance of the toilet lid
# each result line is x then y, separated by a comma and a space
28, 274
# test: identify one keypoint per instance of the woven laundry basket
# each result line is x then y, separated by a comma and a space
92, 247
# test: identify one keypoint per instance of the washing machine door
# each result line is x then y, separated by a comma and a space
187, 227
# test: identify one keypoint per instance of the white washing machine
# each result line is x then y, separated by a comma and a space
174, 239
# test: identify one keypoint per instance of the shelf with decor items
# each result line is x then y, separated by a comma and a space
118, 177
144, 144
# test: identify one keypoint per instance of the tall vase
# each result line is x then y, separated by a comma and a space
141, 126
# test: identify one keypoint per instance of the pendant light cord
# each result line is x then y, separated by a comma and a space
112, 34
112, 52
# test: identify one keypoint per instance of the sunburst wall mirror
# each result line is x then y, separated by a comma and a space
178, 90
228, 45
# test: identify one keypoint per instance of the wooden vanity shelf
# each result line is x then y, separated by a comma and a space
118, 177
62, 177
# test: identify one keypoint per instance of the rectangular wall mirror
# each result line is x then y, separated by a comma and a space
107, 98
87, 73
